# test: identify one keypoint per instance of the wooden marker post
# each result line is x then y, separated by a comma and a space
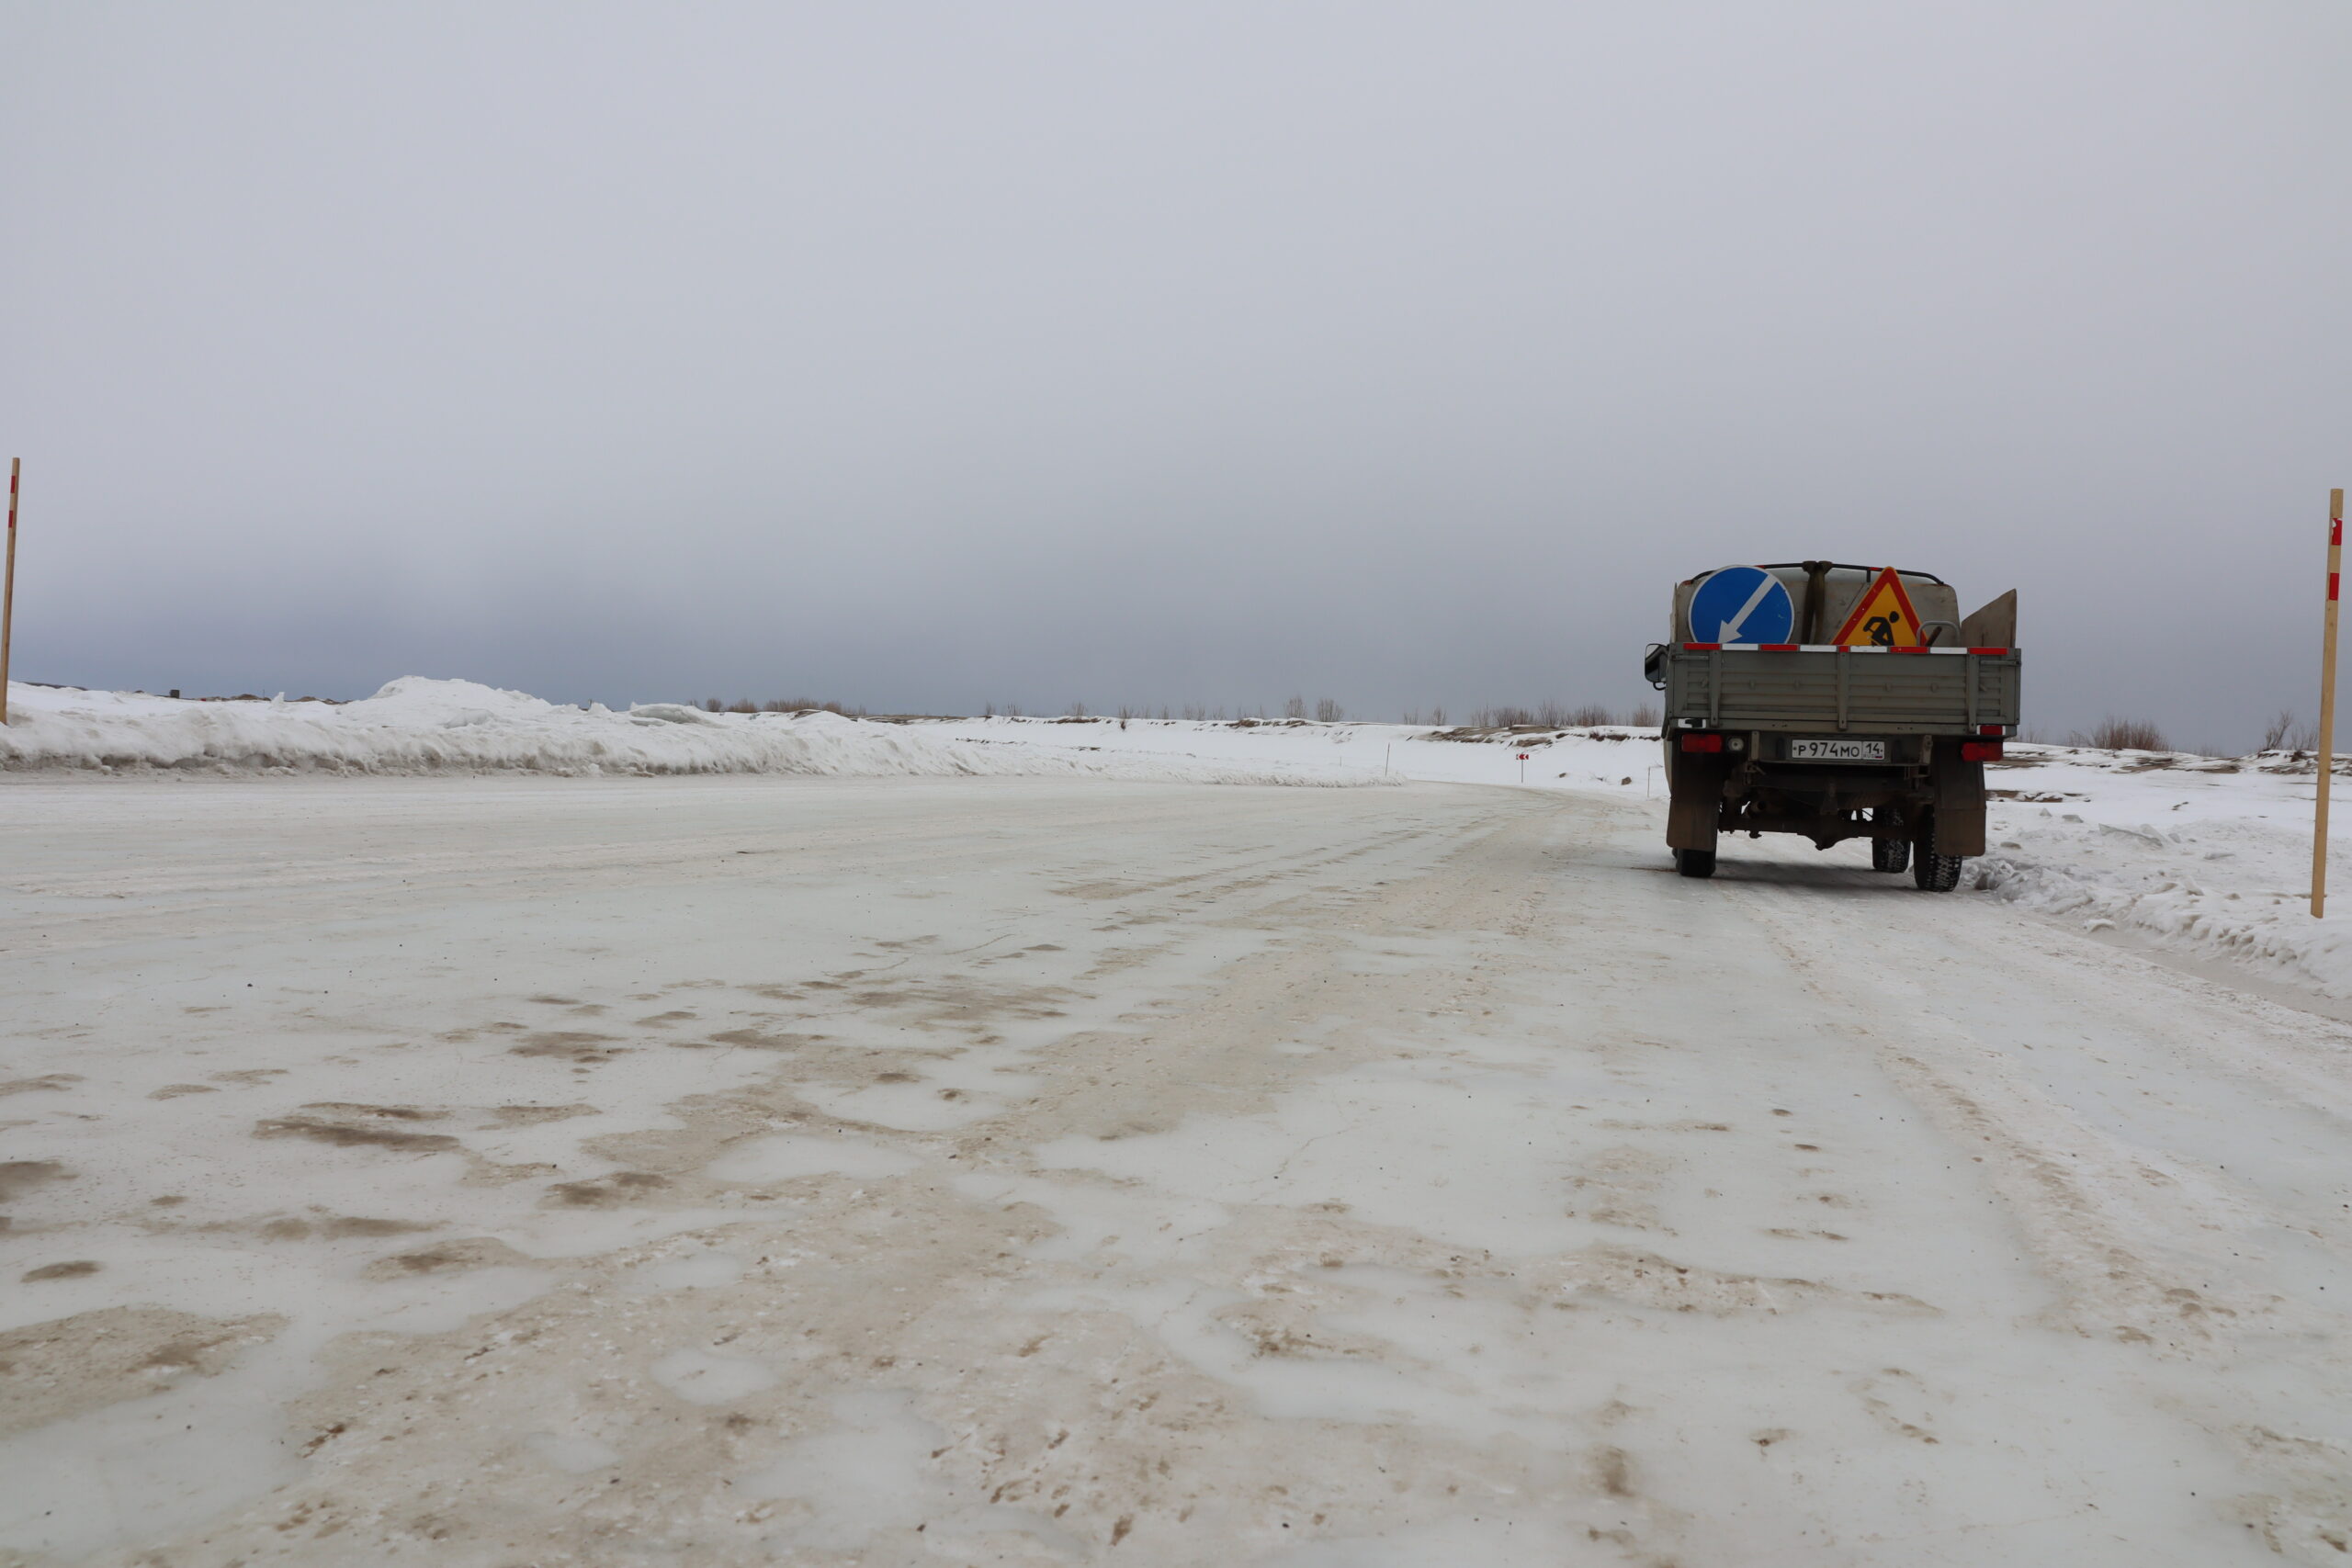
2326, 701
9, 590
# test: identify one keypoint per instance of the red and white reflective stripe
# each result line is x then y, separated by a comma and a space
1826, 648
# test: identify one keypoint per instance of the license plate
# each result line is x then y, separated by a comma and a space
1803, 751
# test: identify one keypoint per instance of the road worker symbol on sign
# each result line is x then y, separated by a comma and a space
1882, 616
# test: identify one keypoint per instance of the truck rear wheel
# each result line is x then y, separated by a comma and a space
1934, 873
1889, 854
1695, 863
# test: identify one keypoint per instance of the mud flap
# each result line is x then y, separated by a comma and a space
1695, 800
1960, 806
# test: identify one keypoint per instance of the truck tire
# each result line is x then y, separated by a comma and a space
1933, 873
1889, 854
1695, 863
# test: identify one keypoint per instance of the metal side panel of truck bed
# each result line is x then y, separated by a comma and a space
1872, 690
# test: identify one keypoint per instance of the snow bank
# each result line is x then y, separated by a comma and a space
2206, 856
420, 726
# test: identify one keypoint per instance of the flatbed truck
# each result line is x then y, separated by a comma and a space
1883, 739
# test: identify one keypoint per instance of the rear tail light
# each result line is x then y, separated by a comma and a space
1702, 742
1980, 750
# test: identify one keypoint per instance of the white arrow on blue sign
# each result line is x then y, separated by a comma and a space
1742, 603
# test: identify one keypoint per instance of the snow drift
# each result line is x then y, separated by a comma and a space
416, 725
2207, 856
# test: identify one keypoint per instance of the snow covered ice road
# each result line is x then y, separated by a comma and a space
1013, 1170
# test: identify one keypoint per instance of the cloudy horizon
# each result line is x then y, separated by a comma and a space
923, 357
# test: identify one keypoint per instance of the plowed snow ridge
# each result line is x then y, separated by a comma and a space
416, 725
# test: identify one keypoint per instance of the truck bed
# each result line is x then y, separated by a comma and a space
1826, 689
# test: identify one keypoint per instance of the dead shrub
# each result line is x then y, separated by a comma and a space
2116, 734
805, 705
2283, 734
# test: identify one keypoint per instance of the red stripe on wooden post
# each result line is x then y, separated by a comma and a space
9, 592
2326, 706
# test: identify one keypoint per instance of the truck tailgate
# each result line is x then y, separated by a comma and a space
1877, 691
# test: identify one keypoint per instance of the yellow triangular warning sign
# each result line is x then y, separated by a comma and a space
1882, 616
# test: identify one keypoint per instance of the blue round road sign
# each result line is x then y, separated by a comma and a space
1742, 603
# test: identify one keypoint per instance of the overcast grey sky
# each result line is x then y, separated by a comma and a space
927, 355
